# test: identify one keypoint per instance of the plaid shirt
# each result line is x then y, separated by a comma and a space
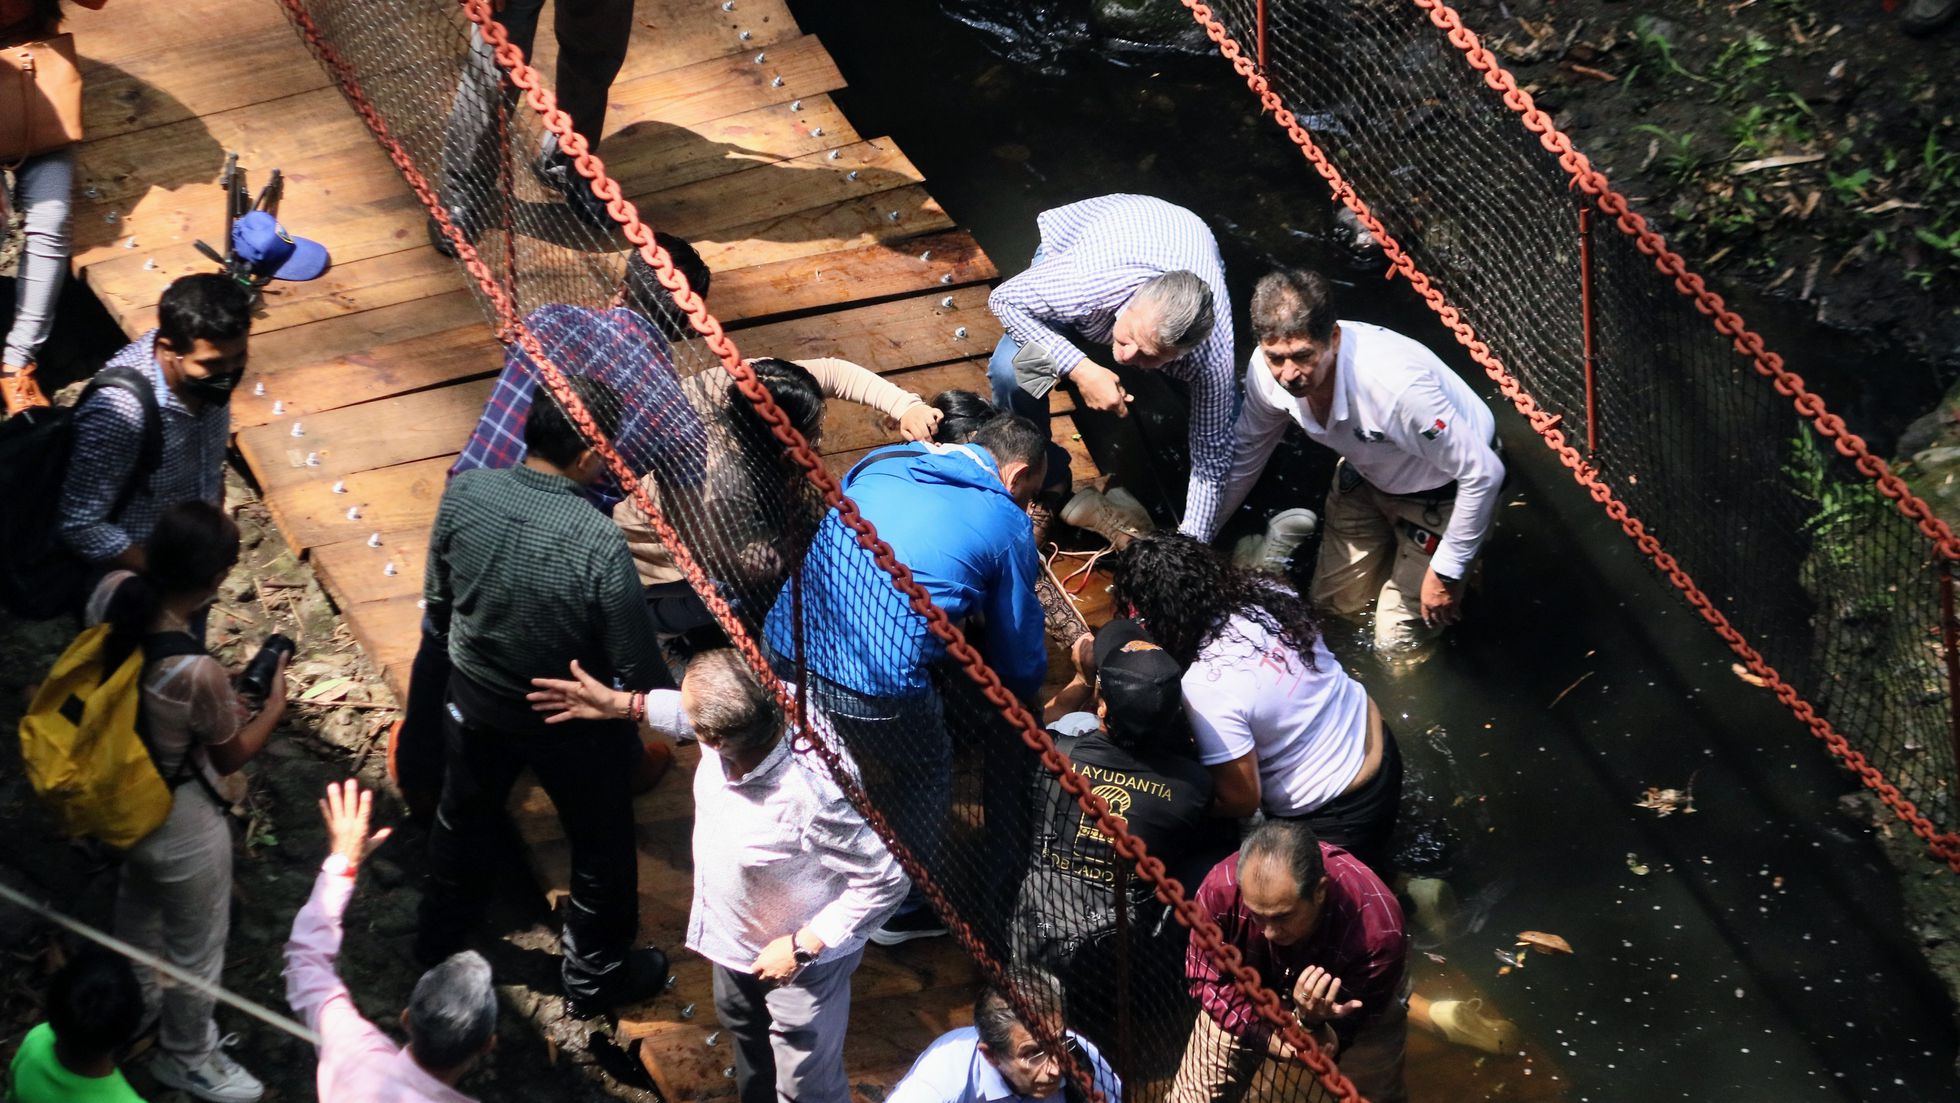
619, 347
108, 444
1093, 257
1358, 937
524, 576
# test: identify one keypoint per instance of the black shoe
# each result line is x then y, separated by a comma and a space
1923, 17
906, 926
462, 216
642, 977
556, 171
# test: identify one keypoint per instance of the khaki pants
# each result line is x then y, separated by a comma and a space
1368, 557
1218, 1068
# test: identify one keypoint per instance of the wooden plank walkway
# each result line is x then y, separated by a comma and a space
386, 361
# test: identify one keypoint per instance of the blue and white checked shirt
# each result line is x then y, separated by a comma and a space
1094, 255
108, 445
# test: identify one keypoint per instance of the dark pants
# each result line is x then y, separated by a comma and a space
416, 756
1363, 822
586, 769
592, 37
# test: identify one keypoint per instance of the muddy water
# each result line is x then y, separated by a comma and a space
1751, 950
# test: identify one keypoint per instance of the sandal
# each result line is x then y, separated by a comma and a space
19, 390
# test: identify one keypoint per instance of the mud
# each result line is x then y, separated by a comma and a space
541, 1055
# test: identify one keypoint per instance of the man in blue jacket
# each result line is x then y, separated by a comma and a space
955, 515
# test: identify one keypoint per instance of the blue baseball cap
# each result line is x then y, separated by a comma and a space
271, 251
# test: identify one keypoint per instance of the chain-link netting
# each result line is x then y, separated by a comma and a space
1809, 562
735, 529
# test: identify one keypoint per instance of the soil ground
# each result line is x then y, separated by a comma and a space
339, 732
1805, 149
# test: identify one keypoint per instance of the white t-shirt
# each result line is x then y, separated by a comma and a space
1249, 693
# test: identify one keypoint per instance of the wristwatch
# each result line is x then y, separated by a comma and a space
802, 956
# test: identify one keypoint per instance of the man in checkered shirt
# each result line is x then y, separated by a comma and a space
194, 359
1143, 278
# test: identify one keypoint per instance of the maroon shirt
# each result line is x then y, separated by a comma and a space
1359, 938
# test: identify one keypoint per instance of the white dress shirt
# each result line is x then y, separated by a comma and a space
1405, 421
779, 849
953, 1070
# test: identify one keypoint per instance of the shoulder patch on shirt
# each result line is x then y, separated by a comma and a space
1435, 430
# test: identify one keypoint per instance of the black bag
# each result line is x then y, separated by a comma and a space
39, 577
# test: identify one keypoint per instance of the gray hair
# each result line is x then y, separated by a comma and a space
994, 1016
1293, 303
1290, 843
730, 708
1185, 313
452, 1013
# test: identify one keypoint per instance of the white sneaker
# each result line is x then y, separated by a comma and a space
1288, 529
218, 1078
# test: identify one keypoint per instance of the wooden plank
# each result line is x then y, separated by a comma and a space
362, 438
871, 270
130, 284
668, 36
389, 632
392, 501
449, 356
783, 188
650, 155
849, 225
359, 572
726, 85
888, 336
256, 63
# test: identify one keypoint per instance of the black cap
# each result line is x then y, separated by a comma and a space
1140, 683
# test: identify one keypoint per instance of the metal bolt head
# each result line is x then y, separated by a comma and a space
313, 459
834, 154
746, 35
673, 980
817, 132
893, 215
130, 243
299, 429
687, 1012
727, 5
714, 1038
92, 192
728, 1072
278, 407
111, 217
947, 302
796, 105
353, 513
339, 487
760, 56
774, 82
960, 334
374, 539
258, 389
947, 278
388, 568
926, 256
851, 175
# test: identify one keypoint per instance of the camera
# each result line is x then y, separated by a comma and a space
256, 681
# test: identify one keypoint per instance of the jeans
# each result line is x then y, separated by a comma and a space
586, 768
42, 188
905, 757
1010, 395
789, 1038
592, 36
174, 900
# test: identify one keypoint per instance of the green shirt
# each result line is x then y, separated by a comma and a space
525, 575
40, 1077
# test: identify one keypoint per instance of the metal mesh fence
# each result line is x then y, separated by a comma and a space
730, 523
1820, 572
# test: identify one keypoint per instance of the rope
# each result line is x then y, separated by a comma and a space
1946, 847
142, 957
1206, 934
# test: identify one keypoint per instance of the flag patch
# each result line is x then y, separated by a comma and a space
1432, 432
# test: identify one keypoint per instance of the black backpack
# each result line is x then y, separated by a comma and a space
39, 576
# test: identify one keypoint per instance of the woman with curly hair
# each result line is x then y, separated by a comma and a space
1280, 725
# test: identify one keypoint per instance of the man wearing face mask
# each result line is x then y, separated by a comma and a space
1416, 489
114, 492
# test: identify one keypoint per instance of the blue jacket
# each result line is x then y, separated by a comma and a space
946, 515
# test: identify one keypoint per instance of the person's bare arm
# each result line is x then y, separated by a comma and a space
231, 755
1235, 787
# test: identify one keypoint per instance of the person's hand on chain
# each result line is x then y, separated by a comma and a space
920, 422
1317, 997
1442, 600
1100, 389
348, 809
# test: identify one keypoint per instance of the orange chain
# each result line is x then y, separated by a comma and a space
1210, 938
1946, 846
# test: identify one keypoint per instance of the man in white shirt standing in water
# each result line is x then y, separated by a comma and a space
1416, 489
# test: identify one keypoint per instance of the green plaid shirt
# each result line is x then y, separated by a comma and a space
524, 576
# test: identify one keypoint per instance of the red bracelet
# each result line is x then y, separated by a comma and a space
636, 707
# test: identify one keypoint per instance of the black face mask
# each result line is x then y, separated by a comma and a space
213, 390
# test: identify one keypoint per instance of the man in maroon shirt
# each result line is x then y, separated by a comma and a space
1322, 931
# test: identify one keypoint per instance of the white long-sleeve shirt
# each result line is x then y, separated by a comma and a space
1405, 421
1093, 257
779, 849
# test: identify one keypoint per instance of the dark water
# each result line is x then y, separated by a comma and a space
1761, 955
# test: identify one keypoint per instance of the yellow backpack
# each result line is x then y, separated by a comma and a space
83, 741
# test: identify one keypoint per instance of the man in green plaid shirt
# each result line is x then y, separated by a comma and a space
524, 578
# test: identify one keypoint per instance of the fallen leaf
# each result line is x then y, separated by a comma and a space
1515, 961
1669, 801
1544, 941
333, 689
1782, 162
1634, 864
1503, 970
1893, 205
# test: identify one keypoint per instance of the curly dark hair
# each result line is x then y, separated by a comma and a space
1185, 593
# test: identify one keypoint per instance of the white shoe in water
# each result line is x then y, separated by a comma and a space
1288, 529
217, 1078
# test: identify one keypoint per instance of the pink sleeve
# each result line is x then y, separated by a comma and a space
313, 988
